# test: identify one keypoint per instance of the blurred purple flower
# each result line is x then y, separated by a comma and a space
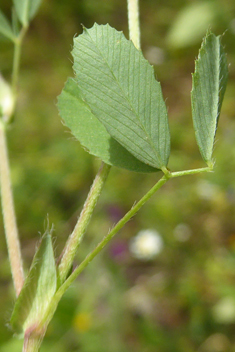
118, 250
115, 213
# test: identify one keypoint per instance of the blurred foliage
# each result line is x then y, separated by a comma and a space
184, 299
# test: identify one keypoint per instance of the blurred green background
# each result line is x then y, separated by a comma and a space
182, 300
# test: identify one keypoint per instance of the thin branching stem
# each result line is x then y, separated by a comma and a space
191, 172
124, 220
9, 217
62, 289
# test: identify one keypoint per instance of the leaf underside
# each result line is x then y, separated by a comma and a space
119, 86
38, 290
92, 134
209, 84
26, 9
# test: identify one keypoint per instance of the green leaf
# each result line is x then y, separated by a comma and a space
91, 133
5, 27
26, 9
119, 86
15, 23
209, 84
38, 290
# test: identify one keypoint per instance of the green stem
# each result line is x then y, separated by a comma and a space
75, 238
190, 172
133, 22
16, 59
9, 217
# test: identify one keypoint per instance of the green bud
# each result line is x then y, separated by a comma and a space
6, 100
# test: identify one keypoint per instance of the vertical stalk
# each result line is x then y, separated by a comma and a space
16, 59
9, 217
12, 237
133, 22
15, 66
76, 236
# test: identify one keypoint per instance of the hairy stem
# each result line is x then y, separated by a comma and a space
9, 217
133, 22
75, 238
190, 172
12, 237
32, 341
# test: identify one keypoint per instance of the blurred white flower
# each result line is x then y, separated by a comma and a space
146, 244
6, 99
224, 310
